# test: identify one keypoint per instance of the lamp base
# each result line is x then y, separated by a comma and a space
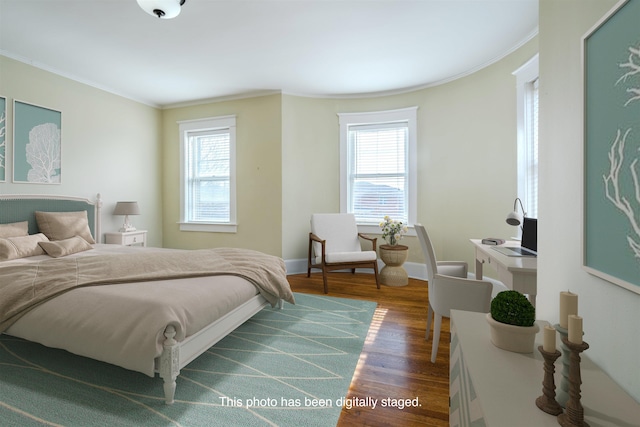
126, 228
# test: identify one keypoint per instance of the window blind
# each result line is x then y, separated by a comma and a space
531, 202
209, 178
378, 171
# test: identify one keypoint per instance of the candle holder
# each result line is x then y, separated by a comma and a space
562, 396
547, 402
574, 415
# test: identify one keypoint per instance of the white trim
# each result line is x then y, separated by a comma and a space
209, 124
208, 227
408, 114
259, 93
525, 75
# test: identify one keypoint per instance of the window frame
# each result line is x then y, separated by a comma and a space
213, 124
408, 115
526, 76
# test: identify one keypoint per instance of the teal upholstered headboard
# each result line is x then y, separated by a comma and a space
17, 207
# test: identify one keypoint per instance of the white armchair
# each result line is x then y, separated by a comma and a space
334, 245
449, 288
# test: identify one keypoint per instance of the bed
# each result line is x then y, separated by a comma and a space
149, 310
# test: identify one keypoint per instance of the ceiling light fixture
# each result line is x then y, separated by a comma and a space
163, 9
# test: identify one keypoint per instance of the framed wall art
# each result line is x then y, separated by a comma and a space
3, 138
37, 144
611, 61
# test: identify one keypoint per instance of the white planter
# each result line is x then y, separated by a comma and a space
519, 339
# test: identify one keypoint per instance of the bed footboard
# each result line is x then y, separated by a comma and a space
170, 364
176, 355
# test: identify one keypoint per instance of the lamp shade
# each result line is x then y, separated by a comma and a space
163, 9
126, 208
514, 218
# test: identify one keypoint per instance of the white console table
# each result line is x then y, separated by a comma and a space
494, 387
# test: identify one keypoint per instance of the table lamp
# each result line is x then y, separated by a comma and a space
126, 209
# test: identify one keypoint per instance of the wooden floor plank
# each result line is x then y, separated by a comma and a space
395, 361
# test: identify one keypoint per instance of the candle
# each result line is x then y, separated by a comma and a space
568, 307
549, 343
575, 329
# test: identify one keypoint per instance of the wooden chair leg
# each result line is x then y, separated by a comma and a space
375, 272
324, 281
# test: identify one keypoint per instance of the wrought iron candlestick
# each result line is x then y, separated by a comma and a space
547, 402
574, 415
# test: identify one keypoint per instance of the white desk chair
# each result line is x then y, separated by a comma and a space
449, 289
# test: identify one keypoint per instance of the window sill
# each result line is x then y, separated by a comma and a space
375, 229
208, 227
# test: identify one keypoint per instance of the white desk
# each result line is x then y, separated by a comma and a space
517, 273
497, 388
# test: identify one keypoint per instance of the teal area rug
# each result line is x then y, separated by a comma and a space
289, 367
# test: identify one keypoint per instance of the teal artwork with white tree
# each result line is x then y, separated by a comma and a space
3, 138
612, 147
627, 204
38, 149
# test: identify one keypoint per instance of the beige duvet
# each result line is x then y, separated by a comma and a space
123, 323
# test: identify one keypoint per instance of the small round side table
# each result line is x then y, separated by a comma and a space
393, 274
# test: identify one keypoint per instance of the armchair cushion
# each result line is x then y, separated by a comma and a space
339, 230
340, 257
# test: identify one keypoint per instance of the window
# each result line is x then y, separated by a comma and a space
378, 166
527, 110
207, 161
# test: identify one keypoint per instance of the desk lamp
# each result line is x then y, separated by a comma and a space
514, 218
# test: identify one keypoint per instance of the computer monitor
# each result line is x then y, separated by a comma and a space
530, 234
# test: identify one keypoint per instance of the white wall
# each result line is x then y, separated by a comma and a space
110, 145
611, 314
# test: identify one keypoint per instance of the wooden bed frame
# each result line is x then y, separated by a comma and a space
175, 355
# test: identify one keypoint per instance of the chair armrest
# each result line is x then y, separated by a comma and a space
453, 268
373, 240
316, 238
460, 294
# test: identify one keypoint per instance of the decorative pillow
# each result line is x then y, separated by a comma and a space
63, 225
65, 247
21, 247
14, 229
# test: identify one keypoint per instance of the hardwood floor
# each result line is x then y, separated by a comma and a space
395, 361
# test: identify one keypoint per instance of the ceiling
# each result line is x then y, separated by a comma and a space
227, 48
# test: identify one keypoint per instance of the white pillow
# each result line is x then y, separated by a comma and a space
14, 229
21, 247
63, 225
65, 247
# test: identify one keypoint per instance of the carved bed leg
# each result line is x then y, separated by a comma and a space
170, 364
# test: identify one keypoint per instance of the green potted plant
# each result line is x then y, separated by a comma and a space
512, 321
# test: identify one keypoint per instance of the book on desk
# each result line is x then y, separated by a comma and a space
493, 241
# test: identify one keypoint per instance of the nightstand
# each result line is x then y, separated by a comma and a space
127, 238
